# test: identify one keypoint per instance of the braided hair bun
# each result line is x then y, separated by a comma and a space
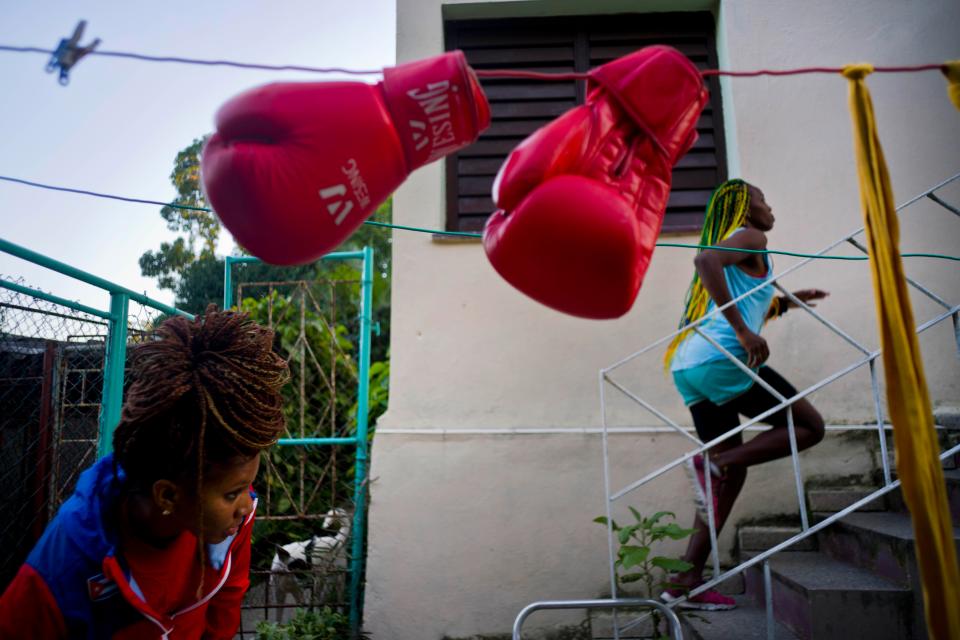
202, 391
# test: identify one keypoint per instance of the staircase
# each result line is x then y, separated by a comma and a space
857, 578
850, 570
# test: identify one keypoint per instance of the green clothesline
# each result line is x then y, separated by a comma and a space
467, 234
682, 245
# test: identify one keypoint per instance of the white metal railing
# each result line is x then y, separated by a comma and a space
672, 621
868, 358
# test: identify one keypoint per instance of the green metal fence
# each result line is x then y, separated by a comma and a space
62, 367
322, 319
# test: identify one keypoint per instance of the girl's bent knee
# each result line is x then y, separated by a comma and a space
809, 422
814, 430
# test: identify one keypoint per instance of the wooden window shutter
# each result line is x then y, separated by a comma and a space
520, 107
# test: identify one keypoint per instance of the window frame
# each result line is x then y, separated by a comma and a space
667, 28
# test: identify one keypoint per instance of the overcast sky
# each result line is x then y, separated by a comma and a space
120, 123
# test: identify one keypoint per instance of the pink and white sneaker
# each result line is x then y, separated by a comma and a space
709, 600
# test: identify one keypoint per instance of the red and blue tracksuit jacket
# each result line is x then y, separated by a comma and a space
74, 585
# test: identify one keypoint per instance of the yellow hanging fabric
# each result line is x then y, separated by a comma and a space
951, 69
918, 464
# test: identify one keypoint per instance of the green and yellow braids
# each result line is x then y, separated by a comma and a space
726, 212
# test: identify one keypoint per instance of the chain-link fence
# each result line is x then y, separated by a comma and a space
52, 359
51, 376
306, 551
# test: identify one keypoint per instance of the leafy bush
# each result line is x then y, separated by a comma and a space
325, 624
635, 562
636, 543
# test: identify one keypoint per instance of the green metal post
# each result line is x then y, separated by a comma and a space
116, 358
360, 476
314, 442
363, 408
227, 282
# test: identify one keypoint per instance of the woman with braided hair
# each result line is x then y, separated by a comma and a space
155, 542
717, 391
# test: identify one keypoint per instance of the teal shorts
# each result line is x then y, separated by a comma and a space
718, 381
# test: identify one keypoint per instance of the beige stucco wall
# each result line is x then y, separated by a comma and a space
466, 528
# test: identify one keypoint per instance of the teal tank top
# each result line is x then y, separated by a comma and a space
695, 350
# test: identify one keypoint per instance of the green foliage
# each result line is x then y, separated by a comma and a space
379, 392
320, 401
202, 227
380, 240
636, 544
165, 264
634, 563
189, 267
325, 624
200, 284
322, 361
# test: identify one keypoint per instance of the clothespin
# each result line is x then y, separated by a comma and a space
68, 53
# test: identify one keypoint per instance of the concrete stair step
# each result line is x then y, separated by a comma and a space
762, 537
817, 597
746, 622
834, 499
879, 542
952, 479
950, 463
732, 586
947, 417
601, 620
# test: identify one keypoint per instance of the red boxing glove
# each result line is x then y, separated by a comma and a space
295, 168
582, 199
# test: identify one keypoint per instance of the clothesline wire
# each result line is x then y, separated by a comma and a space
210, 63
483, 73
467, 234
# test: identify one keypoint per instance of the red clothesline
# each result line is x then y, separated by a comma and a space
534, 75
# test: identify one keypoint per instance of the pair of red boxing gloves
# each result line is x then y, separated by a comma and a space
294, 168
